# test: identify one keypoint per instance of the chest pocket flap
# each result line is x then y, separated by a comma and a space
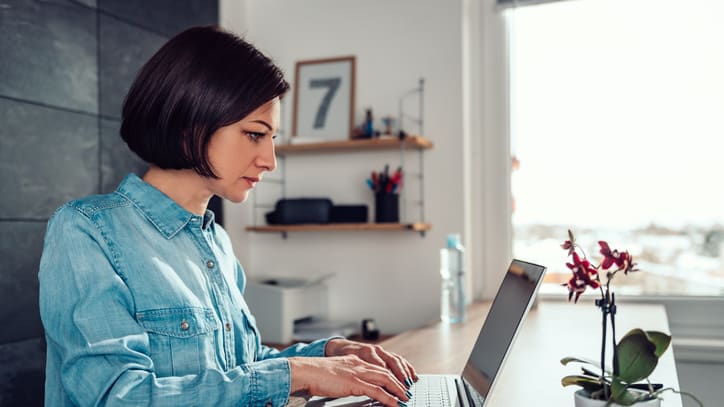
179, 322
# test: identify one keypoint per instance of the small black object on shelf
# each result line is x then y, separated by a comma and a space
348, 214
387, 208
369, 329
296, 211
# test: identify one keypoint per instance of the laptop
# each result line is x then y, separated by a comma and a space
477, 381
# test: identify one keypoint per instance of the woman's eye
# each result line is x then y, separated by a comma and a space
254, 136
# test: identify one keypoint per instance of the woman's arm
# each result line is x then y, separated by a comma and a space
313, 349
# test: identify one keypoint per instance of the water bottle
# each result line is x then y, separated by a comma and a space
452, 295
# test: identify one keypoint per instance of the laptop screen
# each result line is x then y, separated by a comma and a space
509, 307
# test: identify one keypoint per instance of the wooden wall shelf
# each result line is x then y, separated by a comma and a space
379, 143
415, 227
386, 142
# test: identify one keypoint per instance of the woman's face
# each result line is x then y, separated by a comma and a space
242, 152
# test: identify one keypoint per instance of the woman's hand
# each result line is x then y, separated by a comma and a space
376, 355
341, 376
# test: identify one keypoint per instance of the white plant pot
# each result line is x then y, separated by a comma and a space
582, 400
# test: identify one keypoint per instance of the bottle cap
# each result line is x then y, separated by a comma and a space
453, 241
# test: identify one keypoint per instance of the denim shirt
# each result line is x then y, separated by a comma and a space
142, 304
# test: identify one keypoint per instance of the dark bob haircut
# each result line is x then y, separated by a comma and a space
200, 80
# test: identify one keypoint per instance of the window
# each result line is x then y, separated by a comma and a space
617, 122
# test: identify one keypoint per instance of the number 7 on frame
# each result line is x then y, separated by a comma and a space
324, 99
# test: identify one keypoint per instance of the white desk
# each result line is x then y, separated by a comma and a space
532, 374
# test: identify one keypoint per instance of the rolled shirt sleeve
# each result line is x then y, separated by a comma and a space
270, 382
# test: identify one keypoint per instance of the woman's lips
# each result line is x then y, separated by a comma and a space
251, 181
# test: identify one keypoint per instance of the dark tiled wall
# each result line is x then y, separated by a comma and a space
65, 67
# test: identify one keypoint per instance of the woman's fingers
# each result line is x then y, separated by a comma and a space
376, 355
395, 366
365, 370
385, 379
346, 375
377, 393
371, 353
411, 369
406, 367
399, 366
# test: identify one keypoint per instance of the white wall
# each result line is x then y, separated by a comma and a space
390, 276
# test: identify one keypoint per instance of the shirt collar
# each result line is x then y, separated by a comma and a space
163, 212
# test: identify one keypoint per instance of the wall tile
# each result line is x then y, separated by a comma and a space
49, 53
89, 3
124, 49
47, 157
22, 373
21, 244
167, 17
117, 160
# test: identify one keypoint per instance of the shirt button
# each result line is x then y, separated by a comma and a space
210, 264
228, 326
184, 326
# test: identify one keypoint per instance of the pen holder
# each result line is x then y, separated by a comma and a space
387, 208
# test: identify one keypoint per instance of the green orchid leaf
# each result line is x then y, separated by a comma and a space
570, 359
636, 356
633, 332
661, 340
621, 395
588, 383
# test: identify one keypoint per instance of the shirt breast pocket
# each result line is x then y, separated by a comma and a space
182, 339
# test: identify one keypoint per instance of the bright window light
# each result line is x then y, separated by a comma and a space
617, 132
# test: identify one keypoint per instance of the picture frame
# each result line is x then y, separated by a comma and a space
324, 91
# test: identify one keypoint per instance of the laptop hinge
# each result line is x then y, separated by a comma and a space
463, 396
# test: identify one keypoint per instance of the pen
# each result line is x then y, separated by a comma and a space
383, 183
371, 184
397, 176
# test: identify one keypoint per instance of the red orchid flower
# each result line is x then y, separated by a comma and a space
583, 276
628, 263
568, 245
622, 260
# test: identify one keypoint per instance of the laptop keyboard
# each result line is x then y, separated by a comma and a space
429, 391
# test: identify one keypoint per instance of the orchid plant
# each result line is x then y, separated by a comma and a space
636, 355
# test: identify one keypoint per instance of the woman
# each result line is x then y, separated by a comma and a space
140, 291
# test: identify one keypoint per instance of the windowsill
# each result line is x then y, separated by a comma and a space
658, 299
697, 335
699, 350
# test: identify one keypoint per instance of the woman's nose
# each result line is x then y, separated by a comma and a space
267, 158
